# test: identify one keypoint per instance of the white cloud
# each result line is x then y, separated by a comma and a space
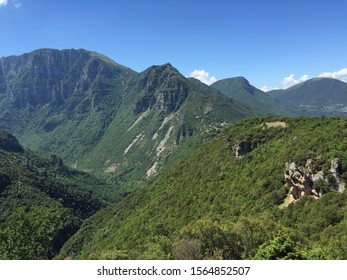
287, 82
3, 3
203, 76
266, 88
291, 81
17, 3
340, 75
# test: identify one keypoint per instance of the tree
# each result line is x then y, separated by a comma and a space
186, 249
4, 181
206, 239
280, 248
31, 233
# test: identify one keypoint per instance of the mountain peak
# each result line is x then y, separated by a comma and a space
236, 83
238, 88
238, 79
165, 88
164, 68
318, 92
232, 87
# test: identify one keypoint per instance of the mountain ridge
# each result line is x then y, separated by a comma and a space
324, 95
239, 88
92, 111
102, 106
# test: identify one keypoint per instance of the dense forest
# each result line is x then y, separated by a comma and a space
42, 202
216, 205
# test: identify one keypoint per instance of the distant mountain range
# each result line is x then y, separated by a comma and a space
240, 89
321, 96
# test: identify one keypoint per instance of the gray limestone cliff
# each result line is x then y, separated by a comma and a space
313, 181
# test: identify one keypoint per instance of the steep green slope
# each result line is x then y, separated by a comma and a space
42, 202
215, 204
239, 89
323, 96
169, 117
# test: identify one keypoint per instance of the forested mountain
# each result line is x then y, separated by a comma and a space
322, 96
240, 89
42, 202
267, 188
101, 116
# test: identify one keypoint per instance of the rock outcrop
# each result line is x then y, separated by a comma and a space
299, 182
335, 171
308, 181
243, 147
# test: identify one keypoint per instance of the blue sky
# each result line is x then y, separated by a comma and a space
272, 43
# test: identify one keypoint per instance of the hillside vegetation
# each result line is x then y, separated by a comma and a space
42, 202
217, 205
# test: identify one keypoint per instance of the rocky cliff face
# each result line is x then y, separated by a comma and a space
60, 101
338, 183
53, 77
164, 90
312, 181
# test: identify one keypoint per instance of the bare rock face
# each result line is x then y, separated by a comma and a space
164, 89
243, 147
335, 171
307, 180
300, 184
